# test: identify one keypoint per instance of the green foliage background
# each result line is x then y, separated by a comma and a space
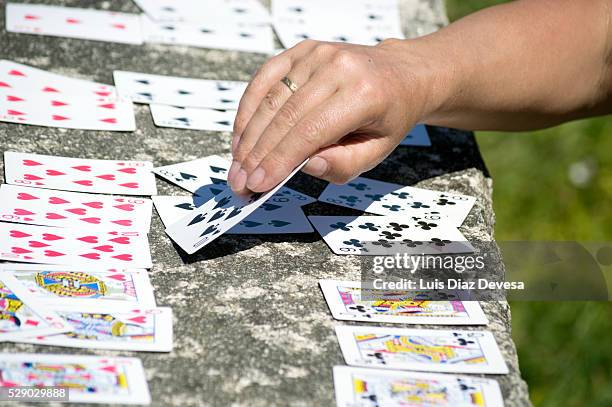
565, 349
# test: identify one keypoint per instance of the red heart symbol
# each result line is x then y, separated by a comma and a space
129, 170
14, 99
16, 233
107, 106
49, 89
31, 17
14, 113
57, 201
95, 205
121, 240
14, 72
91, 220
119, 26
58, 103
129, 185
19, 250
31, 177
77, 211
109, 177
102, 93
124, 257
73, 21
119, 277
111, 369
4, 85
21, 212
51, 253
109, 120
28, 219
57, 117
106, 248
50, 236
31, 163
92, 256
54, 216
141, 319
125, 207
84, 182
26, 197
88, 239
85, 168
54, 172
34, 243
123, 222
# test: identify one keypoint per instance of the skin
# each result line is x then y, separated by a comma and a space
523, 65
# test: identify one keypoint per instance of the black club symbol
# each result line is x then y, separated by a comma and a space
440, 242
401, 195
444, 202
353, 242
369, 226
426, 225
359, 308
417, 205
390, 235
351, 199
375, 197
411, 243
397, 226
383, 243
393, 208
359, 186
340, 226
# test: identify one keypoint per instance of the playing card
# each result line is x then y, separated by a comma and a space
83, 287
376, 387
48, 207
177, 91
89, 379
347, 301
230, 11
148, 330
216, 35
207, 177
50, 245
88, 24
15, 77
429, 350
384, 198
193, 118
267, 219
383, 235
418, 136
217, 216
22, 316
79, 174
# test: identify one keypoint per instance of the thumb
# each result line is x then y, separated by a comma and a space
340, 163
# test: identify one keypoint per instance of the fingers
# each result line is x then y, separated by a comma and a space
323, 126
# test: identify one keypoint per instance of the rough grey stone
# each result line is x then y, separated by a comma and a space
251, 326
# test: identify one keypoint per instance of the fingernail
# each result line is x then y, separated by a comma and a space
232, 172
317, 166
235, 142
256, 178
239, 181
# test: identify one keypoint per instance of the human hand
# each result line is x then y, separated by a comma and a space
352, 106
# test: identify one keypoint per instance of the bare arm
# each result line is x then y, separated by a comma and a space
523, 65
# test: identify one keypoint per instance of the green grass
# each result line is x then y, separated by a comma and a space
564, 348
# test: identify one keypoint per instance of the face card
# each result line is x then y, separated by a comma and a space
267, 219
418, 136
148, 330
376, 387
430, 350
384, 198
217, 216
380, 235
83, 287
215, 35
193, 118
79, 174
50, 245
347, 301
91, 379
178, 91
22, 316
251, 11
48, 207
56, 21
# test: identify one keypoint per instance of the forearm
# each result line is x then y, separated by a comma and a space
523, 65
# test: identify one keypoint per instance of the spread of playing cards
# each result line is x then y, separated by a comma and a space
131, 271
